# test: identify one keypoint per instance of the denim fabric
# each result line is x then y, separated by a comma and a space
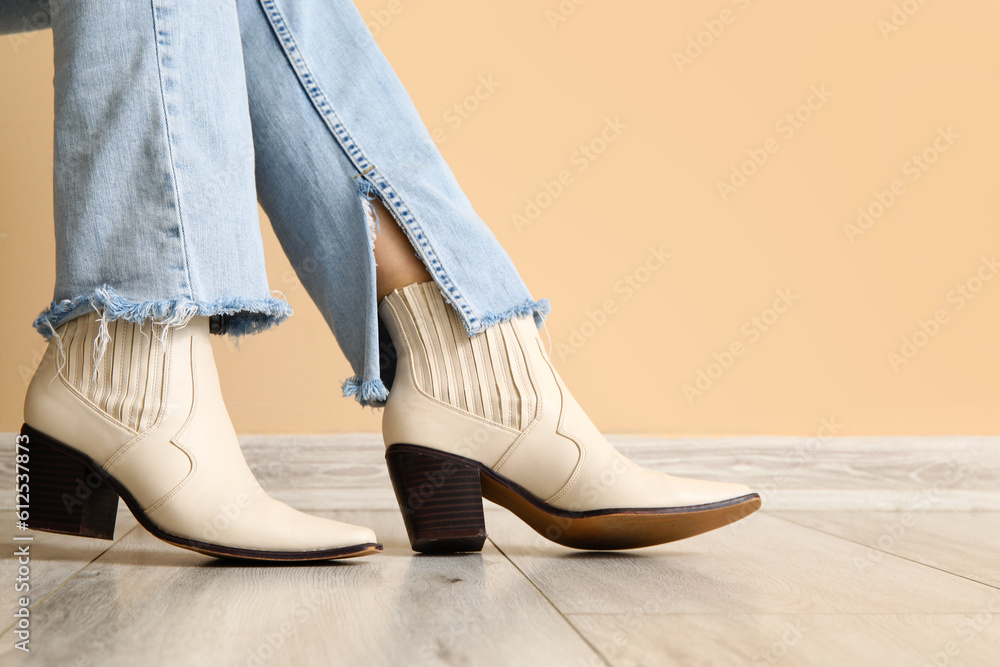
23, 16
155, 205
164, 111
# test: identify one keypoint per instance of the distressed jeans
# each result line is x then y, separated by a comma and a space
174, 118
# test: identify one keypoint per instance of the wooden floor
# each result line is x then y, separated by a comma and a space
887, 588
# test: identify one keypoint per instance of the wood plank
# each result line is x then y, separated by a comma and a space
54, 560
803, 640
144, 602
964, 543
321, 472
836, 472
347, 471
762, 564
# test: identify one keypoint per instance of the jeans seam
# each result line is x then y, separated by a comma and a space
170, 152
367, 170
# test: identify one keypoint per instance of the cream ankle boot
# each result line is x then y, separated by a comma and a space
489, 417
149, 424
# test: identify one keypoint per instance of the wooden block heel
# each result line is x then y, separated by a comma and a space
65, 494
440, 498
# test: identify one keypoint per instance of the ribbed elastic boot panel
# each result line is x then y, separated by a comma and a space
123, 376
486, 375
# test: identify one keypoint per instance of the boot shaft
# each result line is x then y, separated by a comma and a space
117, 366
494, 375
103, 383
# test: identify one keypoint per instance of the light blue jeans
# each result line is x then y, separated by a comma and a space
174, 117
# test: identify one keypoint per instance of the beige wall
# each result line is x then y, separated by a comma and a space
559, 79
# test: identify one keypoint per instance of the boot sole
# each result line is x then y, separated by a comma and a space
71, 494
441, 498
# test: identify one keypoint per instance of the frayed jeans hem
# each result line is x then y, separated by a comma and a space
237, 316
538, 309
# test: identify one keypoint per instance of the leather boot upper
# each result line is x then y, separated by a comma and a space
496, 398
144, 402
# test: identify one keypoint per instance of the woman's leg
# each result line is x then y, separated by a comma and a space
396, 265
475, 407
156, 233
334, 127
155, 203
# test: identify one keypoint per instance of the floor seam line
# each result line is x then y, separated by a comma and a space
889, 553
552, 604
